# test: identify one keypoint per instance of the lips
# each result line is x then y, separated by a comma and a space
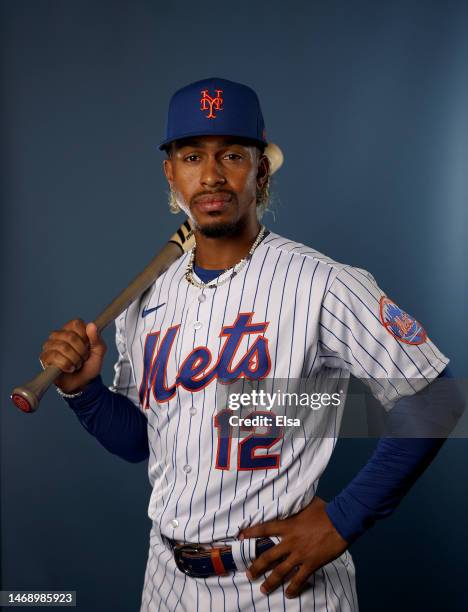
213, 202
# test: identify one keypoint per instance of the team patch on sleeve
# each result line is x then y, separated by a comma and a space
400, 324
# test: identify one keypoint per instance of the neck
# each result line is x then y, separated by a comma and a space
224, 252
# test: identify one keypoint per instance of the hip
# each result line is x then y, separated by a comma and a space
331, 588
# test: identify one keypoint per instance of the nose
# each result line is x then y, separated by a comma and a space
212, 174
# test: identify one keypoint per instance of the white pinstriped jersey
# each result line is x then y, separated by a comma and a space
291, 313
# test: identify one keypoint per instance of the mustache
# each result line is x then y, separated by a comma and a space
201, 194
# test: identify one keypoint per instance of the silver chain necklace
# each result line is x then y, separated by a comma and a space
224, 276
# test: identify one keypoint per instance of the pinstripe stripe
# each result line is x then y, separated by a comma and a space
330, 581
147, 573
313, 589
325, 588
243, 383
343, 590
353, 355
355, 339
224, 595
307, 318
154, 573
211, 428
399, 344
165, 412
376, 340
189, 428
248, 341
418, 347
353, 605
157, 412
265, 319
318, 340
177, 596
212, 441
201, 423
165, 505
276, 354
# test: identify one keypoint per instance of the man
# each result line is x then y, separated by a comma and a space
251, 307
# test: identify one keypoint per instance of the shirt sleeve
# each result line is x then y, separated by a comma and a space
365, 332
112, 419
124, 379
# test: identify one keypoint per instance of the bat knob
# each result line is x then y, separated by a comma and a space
24, 400
27, 396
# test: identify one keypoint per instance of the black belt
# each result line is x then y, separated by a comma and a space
200, 562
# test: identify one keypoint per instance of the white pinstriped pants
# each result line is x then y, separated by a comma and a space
167, 589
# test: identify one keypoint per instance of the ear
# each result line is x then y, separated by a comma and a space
263, 170
168, 171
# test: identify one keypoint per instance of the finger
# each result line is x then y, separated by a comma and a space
76, 325
270, 528
80, 344
277, 576
93, 334
299, 581
64, 349
97, 344
266, 561
54, 357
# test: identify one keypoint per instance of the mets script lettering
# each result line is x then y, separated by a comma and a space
197, 371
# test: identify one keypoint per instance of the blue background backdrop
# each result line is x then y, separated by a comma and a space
369, 103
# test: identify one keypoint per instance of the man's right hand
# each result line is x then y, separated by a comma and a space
78, 350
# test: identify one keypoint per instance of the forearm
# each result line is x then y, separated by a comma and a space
112, 419
381, 484
397, 462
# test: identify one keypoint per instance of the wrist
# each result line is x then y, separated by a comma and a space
82, 391
74, 390
70, 394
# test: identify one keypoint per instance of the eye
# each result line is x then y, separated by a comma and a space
191, 158
233, 156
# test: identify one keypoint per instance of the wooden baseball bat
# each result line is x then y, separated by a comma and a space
27, 396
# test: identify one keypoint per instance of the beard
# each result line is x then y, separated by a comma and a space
219, 228
222, 229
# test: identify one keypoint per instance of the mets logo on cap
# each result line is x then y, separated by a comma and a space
211, 103
400, 324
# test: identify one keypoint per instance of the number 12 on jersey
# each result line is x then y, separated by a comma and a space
247, 457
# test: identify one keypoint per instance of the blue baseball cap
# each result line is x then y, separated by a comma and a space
215, 107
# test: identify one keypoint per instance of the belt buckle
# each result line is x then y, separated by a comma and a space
179, 550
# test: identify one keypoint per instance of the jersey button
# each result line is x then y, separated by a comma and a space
187, 469
193, 411
174, 523
197, 325
201, 297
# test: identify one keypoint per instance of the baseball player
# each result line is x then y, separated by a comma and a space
236, 523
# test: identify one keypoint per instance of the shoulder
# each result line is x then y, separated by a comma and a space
309, 258
150, 296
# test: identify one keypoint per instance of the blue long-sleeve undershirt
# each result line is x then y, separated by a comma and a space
397, 462
113, 419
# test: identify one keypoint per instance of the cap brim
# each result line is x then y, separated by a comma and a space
197, 133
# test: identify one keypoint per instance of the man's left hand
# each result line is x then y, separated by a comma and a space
308, 541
